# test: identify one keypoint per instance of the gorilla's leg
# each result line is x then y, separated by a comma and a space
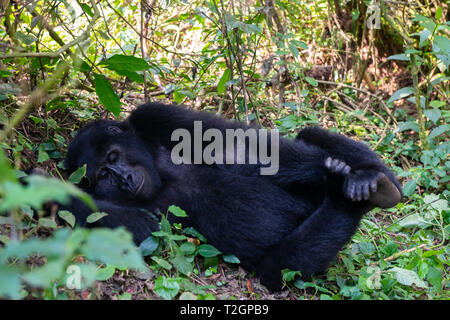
314, 243
359, 157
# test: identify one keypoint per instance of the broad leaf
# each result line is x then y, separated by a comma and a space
129, 63
76, 176
177, 211
208, 251
166, 288
94, 217
407, 277
400, 94
222, 85
67, 217
106, 94
148, 246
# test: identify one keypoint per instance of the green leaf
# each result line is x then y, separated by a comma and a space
230, 258
188, 296
402, 57
124, 296
293, 49
441, 49
366, 248
289, 275
187, 248
208, 251
106, 94
39, 190
438, 14
165, 225
311, 81
6, 173
4, 73
414, 221
434, 277
222, 85
76, 176
43, 155
148, 246
134, 76
433, 114
409, 188
103, 274
87, 9
437, 104
438, 131
10, 282
160, 234
423, 36
177, 211
129, 63
177, 237
407, 277
193, 232
400, 94
408, 125
43, 276
182, 264
94, 217
300, 44
67, 216
166, 288
113, 247
442, 43
47, 223
162, 263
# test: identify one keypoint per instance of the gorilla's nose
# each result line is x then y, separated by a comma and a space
129, 178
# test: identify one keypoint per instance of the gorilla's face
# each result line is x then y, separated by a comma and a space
118, 175
119, 165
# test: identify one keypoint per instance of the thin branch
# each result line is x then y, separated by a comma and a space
64, 48
388, 111
398, 254
36, 98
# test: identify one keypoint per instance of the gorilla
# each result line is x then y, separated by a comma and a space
298, 218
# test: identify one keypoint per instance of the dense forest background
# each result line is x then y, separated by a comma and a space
376, 71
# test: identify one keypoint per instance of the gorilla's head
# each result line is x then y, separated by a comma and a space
119, 165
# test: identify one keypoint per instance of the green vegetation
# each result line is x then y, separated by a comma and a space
281, 64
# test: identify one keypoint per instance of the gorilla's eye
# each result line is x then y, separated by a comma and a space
112, 156
113, 130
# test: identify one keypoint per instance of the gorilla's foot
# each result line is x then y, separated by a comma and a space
387, 195
368, 185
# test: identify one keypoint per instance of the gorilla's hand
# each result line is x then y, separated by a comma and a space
337, 166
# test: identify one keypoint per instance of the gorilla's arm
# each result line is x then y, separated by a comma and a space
299, 163
138, 221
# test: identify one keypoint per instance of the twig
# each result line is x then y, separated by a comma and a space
388, 111
37, 96
149, 39
398, 254
64, 48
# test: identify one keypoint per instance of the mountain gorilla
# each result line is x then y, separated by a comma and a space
298, 218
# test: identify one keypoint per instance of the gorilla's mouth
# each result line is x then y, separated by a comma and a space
139, 188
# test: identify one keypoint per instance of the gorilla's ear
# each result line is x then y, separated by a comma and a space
114, 130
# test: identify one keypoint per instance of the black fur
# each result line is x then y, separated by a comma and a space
298, 218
